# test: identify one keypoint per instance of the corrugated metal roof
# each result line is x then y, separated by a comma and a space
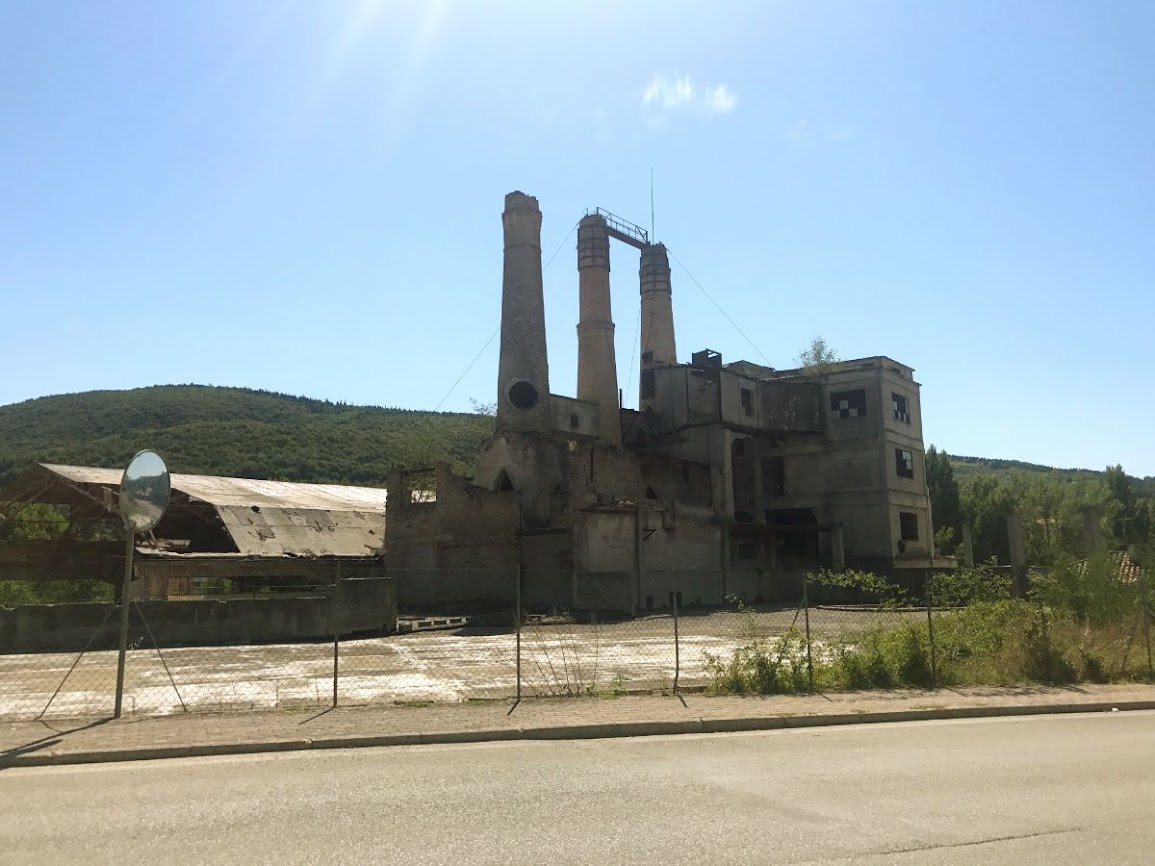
272, 518
219, 490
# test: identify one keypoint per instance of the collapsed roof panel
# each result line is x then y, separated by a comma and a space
263, 518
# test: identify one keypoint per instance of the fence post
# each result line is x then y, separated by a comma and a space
677, 645
806, 615
336, 622
517, 621
122, 643
930, 632
1147, 631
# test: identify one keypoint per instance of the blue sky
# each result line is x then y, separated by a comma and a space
306, 196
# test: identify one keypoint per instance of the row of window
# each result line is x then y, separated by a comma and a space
774, 468
907, 531
852, 404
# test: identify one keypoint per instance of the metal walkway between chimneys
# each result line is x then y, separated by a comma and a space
624, 230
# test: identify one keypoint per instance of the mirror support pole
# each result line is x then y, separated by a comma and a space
129, 549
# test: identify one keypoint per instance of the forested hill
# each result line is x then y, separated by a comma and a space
260, 434
969, 467
235, 431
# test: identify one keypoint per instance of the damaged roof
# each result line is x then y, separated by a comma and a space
262, 518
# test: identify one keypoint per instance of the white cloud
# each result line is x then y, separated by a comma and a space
665, 95
668, 94
720, 99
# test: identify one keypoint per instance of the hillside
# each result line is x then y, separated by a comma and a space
260, 434
969, 467
235, 431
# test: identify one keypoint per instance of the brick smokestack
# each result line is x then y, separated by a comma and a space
523, 371
657, 320
597, 366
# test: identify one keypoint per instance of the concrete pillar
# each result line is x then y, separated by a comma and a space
968, 546
523, 371
754, 452
722, 496
641, 518
1016, 541
837, 548
1092, 529
597, 366
657, 326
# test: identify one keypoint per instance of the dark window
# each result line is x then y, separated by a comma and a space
574, 422
747, 551
522, 395
748, 402
908, 525
739, 449
901, 407
904, 463
774, 476
848, 404
649, 387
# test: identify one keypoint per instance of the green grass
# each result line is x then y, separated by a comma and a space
998, 643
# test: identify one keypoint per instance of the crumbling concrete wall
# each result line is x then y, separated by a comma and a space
462, 548
353, 606
547, 564
533, 465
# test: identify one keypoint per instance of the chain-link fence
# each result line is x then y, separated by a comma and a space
324, 639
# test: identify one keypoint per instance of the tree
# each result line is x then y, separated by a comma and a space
818, 358
33, 521
986, 502
1130, 516
945, 502
487, 409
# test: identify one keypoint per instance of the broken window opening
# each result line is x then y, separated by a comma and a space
848, 404
503, 482
908, 525
650, 494
901, 407
904, 463
748, 402
649, 386
522, 395
774, 476
574, 421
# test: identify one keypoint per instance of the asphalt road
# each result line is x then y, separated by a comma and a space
1052, 789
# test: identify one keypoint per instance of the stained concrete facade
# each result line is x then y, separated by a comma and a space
729, 480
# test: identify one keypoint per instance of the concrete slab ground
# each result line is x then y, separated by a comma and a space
185, 735
453, 666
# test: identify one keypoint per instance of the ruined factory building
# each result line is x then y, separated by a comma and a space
214, 528
726, 480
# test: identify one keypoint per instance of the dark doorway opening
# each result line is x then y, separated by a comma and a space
797, 530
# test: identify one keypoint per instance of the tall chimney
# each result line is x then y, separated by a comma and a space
657, 320
597, 366
523, 371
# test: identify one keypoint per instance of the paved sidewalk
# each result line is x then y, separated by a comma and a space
58, 741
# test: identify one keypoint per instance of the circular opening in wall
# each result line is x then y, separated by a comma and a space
522, 395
